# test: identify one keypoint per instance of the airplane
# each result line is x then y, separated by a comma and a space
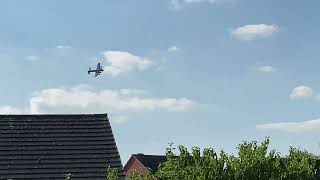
96, 71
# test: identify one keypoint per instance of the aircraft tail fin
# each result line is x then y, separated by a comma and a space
89, 70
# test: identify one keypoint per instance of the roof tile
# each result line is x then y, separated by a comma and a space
52, 146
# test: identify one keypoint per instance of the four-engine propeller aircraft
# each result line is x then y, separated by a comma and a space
96, 71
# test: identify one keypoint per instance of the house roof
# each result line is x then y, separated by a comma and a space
52, 146
151, 161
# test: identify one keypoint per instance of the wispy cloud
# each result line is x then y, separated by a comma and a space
298, 93
302, 92
121, 62
304, 126
32, 58
178, 4
173, 49
63, 47
86, 99
266, 69
119, 119
252, 32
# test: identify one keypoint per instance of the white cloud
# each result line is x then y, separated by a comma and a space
9, 110
178, 4
122, 62
266, 69
302, 92
84, 99
119, 119
63, 47
252, 32
32, 58
173, 49
311, 125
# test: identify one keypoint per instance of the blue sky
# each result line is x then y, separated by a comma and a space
210, 73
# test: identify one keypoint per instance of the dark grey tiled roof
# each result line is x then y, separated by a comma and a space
52, 146
151, 161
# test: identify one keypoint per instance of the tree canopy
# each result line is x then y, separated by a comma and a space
253, 161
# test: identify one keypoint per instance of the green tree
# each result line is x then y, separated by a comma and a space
112, 173
140, 174
253, 161
194, 166
299, 165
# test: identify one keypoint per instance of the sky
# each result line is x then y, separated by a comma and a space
207, 73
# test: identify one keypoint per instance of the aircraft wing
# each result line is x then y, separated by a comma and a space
98, 66
96, 74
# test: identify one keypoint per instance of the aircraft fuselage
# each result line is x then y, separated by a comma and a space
95, 71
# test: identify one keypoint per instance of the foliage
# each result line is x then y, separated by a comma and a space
300, 165
112, 173
140, 174
253, 161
